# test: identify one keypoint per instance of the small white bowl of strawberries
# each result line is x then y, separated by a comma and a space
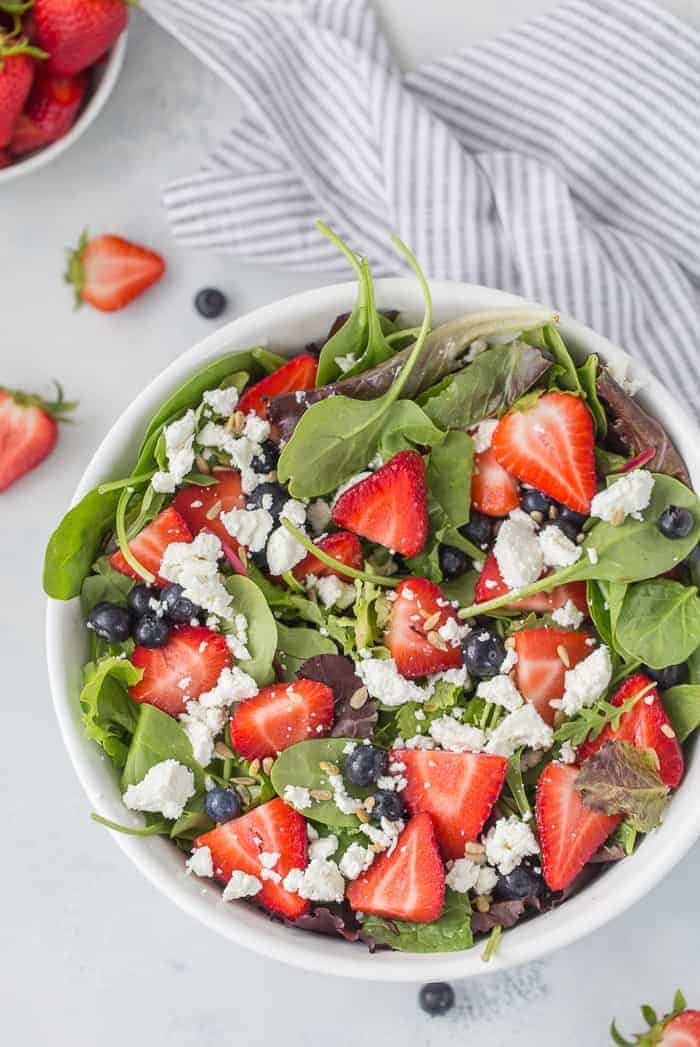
59, 62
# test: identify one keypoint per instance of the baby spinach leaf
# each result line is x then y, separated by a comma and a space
267, 361
694, 667
659, 622
567, 375
622, 779
75, 543
107, 585
587, 376
607, 462
300, 764
109, 714
450, 476
350, 338
407, 426
461, 589
599, 610
193, 820
262, 627
682, 703
158, 737
296, 644
284, 602
450, 933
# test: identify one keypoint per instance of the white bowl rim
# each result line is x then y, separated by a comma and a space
112, 69
625, 883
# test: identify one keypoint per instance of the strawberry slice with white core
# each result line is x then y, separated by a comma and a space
544, 655
281, 715
189, 664
682, 1031
273, 828
569, 832
295, 376
423, 634
390, 507
494, 491
458, 791
342, 546
409, 883
549, 445
490, 585
201, 507
150, 544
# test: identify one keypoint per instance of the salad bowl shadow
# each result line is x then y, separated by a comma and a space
287, 326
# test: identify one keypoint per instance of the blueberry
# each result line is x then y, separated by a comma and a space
436, 998
522, 882
267, 460
676, 522
222, 804
570, 528
533, 501
178, 608
268, 496
483, 653
139, 599
577, 519
210, 302
478, 530
453, 562
151, 630
110, 622
669, 676
365, 764
387, 805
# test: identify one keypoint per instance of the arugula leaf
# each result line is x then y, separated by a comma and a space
590, 722
300, 764
450, 476
371, 610
659, 622
295, 644
450, 933
158, 737
622, 779
262, 627
109, 714
682, 703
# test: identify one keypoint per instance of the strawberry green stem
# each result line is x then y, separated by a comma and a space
57, 408
336, 565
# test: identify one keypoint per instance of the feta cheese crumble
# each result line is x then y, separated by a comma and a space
193, 565
586, 682
557, 549
297, 796
456, 737
318, 514
508, 842
165, 790
250, 527
500, 690
332, 592
463, 875
568, 615
284, 551
483, 434
222, 401
320, 881
356, 860
179, 450
241, 885
232, 686
518, 551
523, 727
200, 862
625, 497
383, 680
324, 847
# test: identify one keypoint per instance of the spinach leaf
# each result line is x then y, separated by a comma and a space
607, 462
267, 361
75, 543
659, 622
158, 737
284, 602
193, 820
682, 703
450, 933
352, 336
109, 714
587, 376
300, 764
599, 610
450, 476
296, 644
406, 426
461, 589
262, 628
567, 377
106, 585
694, 667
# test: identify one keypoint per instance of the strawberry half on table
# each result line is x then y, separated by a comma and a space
150, 544
50, 112
76, 33
293, 377
418, 612
108, 271
490, 584
188, 665
281, 715
28, 431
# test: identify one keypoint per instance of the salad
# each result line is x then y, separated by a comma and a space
398, 639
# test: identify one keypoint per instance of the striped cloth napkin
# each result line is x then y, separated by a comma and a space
559, 160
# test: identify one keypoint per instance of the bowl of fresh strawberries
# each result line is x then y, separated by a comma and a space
59, 63
374, 631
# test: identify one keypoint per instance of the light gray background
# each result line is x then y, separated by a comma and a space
89, 953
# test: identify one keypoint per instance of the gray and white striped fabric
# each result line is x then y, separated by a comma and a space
560, 160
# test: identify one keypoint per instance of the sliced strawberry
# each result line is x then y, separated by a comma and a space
201, 507
50, 112
409, 883
539, 671
458, 791
390, 507
149, 545
682, 1031
188, 665
28, 432
646, 726
281, 715
416, 649
108, 272
569, 832
342, 546
494, 491
237, 845
292, 377
490, 584
550, 446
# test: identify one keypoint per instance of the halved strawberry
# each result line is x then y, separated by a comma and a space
342, 546
539, 671
418, 613
281, 715
550, 446
200, 507
28, 431
458, 791
494, 491
569, 832
149, 545
490, 584
390, 507
682, 1031
292, 377
408, 884
646, 726
188, 665
273, 828
108, 271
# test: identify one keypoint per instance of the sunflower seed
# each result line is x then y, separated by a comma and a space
254, 767
431, 622
268, 764
211, 514
358, 699
202, 465
564, 656
329, 768
321, 794
435, 640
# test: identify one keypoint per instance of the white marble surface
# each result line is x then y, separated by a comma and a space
89, 953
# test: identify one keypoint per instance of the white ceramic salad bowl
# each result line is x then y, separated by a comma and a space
287, 326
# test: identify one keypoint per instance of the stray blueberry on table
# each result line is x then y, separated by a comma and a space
387, 805
669, 676
522, 882
484, 653
365, 764
534, 501
453, 562
436, 998
272, 497
676, 522
178, 608
222, 804
110, 622
151, 630
210, 302
478, 530
139, 599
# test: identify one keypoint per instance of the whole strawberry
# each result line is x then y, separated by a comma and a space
76, 33
108, 272
28, 431
16, 76
679, 1028
50, 112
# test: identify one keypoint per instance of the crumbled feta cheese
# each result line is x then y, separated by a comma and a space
621, 373
318, 514
201, 738
241, 885
508, 842
586, 682
179, 450
222, 401
294, 511
500, 690
556, 548
324, 847
240, 449
486, 880
391, 783
284, 551
297, 796
510, 661
334, 593
483, 434
250, 527
345, 803
383, 680
568, 615
346, 362
463, 875
456, 737
419, 741
237, 641
320, 881
165, 790
453, 632
213, 717
523, 727
356, 860
193, 565
256, 429
269, 859
384, 836
200, 862
457, 677
232, 686
626, 496
517, 551
567, 753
